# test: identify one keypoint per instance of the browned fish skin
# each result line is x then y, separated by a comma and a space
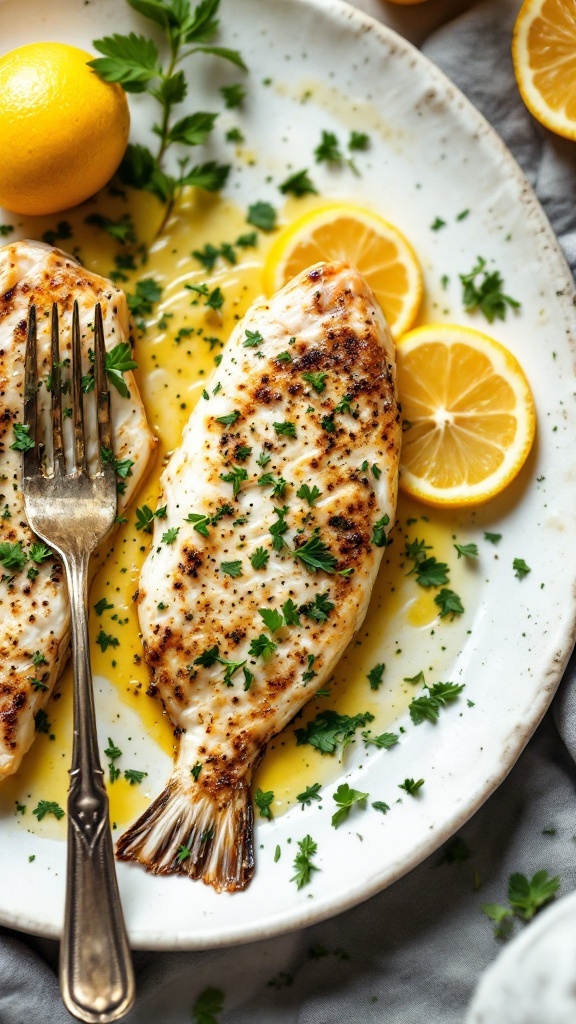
325, 364
34, 614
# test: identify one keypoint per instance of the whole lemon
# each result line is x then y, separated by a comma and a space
63, 131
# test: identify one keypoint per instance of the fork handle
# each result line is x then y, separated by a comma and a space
96, 975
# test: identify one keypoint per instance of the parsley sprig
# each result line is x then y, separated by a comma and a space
482, 289
134, 62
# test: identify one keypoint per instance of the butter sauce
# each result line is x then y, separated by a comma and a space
176, 356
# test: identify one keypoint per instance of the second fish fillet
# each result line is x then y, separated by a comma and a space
277, 508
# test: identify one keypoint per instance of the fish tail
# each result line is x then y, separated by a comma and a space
199, 835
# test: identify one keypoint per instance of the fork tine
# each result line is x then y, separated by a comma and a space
77, 394
31, 464
56, 378
102, 389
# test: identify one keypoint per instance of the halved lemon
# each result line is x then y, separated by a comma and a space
342, 231
468, 415
544, 56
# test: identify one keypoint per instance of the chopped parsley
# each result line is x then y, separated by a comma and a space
315, 554
195, 771
209, 1002
263, 801
170, 535
319, 609
145, 517
259, 558
427, 707
379, 805
262, 215
467, 550
208, 657
310, 793
133, 776
102, 606
358, 141
285, 429
493, 538
482, 290
253, 339
236, 476
148, 292
298, 184
273, 619
520, 568
308, 494
23, 442
232, 569
449, 603
230, 419
384, 741
262, 647
118, 362
303, 865
317, 380
12, 556
106, 640
48, 807
330, 731
375, 676
410, 786
278, 529
346, 798
430, 572
379, 537
290, 613
328, 150
526, 897
234, 95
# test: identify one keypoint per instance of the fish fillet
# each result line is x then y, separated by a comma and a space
254, 584
34, 611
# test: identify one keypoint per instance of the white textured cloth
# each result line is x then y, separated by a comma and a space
414, 953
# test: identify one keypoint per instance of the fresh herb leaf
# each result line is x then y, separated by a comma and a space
208, 657
520, 568
427, 708
298, 184
328, 150
234, 95
375, 676
303, 865
346, 798
170, 535
259, 558
253, 339
278, 529
230, 419
233, 569
379, 805
526, 896
23, 442
118, 362
310, 793
384, 741
319, 609
379, 535
11, 555
148, 292
410, 786
285, 429
262, 647
467, 550
273, 620
133, 776
262, 215
145, 517
290, 613
358, 141
330, 731
208, 1003
430, 572
235, 477
48, 807
308, 494
493, 538
482, 289
315, 554
317, 380
102, 606
263, 801
112, 752
449, 603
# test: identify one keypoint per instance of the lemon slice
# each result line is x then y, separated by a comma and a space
544, 56
468, 413
341, 231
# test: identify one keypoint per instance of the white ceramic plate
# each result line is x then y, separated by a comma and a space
431, 155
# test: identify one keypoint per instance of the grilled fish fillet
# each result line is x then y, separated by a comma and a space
34, 612
305, 395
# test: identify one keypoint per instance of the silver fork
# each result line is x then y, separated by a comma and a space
72, 511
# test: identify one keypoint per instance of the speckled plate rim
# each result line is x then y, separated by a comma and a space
520, 732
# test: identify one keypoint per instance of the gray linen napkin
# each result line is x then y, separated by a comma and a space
413, 954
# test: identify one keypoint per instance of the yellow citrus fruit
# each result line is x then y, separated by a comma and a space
544, 56
342, 231
468, 415
63, 131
